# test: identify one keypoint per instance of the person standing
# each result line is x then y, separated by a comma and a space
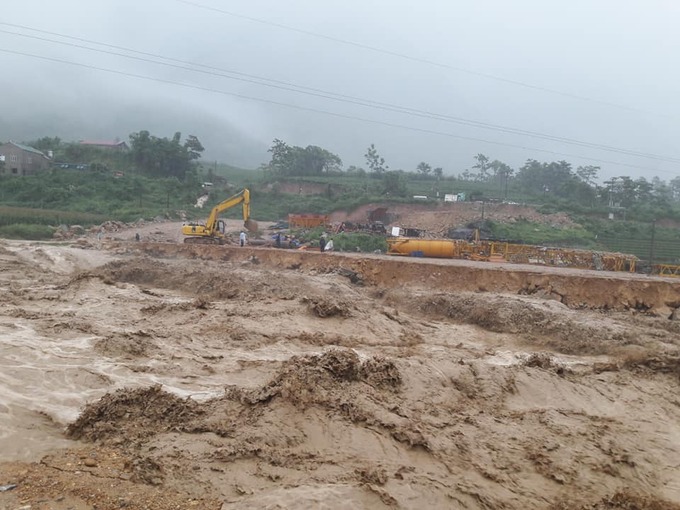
243, 238
278, 239
322, 241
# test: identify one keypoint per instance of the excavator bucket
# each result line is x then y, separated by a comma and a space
251, 225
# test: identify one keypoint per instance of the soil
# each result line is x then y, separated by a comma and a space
436, 221
154, 375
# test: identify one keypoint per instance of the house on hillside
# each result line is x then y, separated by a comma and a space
22, 160
115, 145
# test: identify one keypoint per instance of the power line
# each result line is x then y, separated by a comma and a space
420, 60
324, 112
282, 85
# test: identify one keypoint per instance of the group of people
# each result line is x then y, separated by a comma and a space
325, 244
291, 240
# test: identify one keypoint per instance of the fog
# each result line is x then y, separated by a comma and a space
597, 72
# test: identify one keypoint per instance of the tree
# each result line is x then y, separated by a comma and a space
555, 178
375, 162
293, 160
193, 147
424, 169
46, 144
531, 177
675, 188
163, 157
314, 160
643, 190
355, 170
662, 192
282, 157
482, 166
438, 172
393, 183
503, 172
588, 174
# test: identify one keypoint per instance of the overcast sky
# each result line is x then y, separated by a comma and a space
602, 72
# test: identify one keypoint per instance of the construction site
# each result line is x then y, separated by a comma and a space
143, 372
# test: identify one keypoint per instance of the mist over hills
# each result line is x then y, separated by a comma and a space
223, 142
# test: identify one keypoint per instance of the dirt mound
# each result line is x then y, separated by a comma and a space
132, 414
440, 218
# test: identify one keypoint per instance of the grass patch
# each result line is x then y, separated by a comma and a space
29, 216
25, 231
527, 232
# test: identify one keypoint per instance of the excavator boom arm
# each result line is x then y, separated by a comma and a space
240, 197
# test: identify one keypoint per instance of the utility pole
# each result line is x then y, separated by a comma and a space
651, 248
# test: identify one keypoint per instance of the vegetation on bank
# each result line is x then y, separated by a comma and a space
164, 177
26, 231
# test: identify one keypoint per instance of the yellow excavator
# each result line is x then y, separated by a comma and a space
213, 232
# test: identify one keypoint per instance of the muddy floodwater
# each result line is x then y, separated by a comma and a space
158, 376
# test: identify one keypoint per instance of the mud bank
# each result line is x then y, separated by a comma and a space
574, 288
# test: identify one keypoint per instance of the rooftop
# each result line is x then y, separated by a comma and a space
27, 148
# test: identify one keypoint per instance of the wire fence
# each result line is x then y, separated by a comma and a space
649, 250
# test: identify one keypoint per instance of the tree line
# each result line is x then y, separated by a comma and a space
149, 155
546, 180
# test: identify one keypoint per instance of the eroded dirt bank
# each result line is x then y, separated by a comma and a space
184, 377
574, 288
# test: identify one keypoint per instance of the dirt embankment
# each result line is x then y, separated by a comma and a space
574, 288
191, 377
445, 215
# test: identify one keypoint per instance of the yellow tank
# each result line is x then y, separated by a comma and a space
422, 247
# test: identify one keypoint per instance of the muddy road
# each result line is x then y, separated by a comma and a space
152, 375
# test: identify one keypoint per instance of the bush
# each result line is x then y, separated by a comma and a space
359, 242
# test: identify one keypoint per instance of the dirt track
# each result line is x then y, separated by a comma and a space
155, 375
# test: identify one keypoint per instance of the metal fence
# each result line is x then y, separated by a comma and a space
649, 250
